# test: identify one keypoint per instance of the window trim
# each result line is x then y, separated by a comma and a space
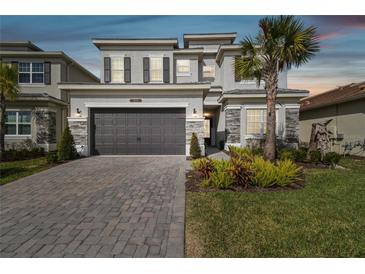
17, 123
150, 68
30, 73
187, 73
111, 69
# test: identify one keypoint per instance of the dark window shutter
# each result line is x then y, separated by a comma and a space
107, 66
47, 73
146, 69
127, 69
237, 77
15, 64
166, 69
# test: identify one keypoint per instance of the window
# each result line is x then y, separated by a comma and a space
256, 121
117, 67
18, 123
32, 73
183, 67
209, 71
156, 68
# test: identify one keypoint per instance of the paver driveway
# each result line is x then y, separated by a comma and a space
97, 207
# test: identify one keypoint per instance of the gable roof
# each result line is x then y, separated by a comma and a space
338, 95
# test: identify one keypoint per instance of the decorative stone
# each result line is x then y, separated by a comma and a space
233, 123
46, 126
292, 127
78, 128
196, 126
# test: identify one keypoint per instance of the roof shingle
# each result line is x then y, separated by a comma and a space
339, 95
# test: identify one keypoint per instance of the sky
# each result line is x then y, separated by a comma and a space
340, 61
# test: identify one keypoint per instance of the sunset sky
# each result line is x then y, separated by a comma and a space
341, 60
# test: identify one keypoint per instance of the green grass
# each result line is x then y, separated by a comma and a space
11, 171
324, 219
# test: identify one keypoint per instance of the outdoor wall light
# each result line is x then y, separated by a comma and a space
194, 112
78, 112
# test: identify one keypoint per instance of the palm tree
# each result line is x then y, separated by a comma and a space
9, 90
282, 42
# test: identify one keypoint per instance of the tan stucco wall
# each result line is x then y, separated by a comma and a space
348, 119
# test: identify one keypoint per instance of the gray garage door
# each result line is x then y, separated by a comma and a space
138, 131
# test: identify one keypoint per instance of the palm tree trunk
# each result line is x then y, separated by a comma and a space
270, 142
271, 87
2, 124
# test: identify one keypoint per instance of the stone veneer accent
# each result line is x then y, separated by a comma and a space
197, 127
292, 127
78, 128
46, 126
233, 123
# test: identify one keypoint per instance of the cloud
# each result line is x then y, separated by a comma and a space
71, 28
334, 26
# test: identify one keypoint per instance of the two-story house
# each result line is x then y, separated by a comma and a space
153, 95
39, 113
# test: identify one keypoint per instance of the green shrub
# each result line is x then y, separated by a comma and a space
263, 172
22, 154
258, 151
241, 171
241, 153
332, 158
315, 156
267, 174
301, 154
287, 172
195, 151
52, 157
66, 148
204, 166
221, 177
287, 153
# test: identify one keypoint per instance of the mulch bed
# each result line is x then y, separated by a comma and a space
193, 184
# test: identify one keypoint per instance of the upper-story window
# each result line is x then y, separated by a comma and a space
156, 69
182, 67
208, 71
31, 73
18, 123
117, 69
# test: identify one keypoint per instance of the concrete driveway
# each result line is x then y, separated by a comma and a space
97, 207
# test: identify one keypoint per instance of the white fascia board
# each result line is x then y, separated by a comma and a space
77, 119
127, 42
134, 87
286, 95
135, 105
195, 119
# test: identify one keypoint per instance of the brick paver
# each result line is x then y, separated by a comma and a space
96, 207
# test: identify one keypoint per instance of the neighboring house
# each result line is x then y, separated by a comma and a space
346, 107
39, 113
153, 95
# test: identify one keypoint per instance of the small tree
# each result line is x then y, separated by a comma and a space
9, 90
282, 42
66, 147
195, 150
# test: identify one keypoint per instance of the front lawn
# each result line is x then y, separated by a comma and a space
326, 218
11, 171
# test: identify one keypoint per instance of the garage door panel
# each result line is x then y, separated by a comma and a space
138, 131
